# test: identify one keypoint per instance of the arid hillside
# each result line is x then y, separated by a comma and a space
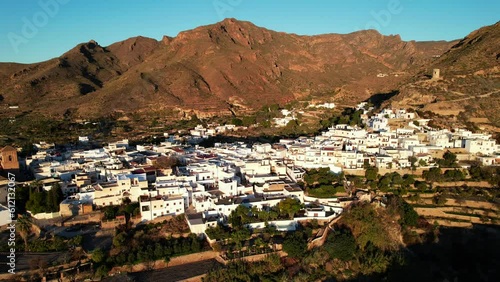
230, 66
468, 89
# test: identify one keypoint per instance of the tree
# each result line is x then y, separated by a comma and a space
384, 183
217, 233
263, 215
98, 255
23, 226
37, 201
320, 176
371, 173
240, 216
413, 161
475, 171
239, 236
120, 239
415, 198
295, 245
54, 198
432, 175
341, 244
289, 206
397, 179
291, 127
237, 121
439, 199
449, 160
102, 271
409, 217
109, 212
454, 175
408, 179
248, 120
421, 185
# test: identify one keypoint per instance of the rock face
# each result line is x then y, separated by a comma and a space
228, 65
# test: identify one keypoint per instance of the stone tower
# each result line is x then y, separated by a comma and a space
435, 74
8, 157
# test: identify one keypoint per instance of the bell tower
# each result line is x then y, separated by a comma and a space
9, 161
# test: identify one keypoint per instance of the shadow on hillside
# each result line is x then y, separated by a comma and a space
462, 254
379, 98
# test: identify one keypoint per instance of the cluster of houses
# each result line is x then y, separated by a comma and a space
287, 116
209, 183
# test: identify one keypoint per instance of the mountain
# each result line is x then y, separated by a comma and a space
228, 66
469, 84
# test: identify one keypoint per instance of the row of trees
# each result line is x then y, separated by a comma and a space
268, 269
434, 174
485, 173
127, 209
286, 209
348, 116
315, 178
144, 244
40, 201
389, 180
238, 233
322, 183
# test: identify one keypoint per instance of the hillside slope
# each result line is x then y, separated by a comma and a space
469, 86
228, 65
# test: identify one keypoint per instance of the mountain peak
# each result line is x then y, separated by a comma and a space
209, 67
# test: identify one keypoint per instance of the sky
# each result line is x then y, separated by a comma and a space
38, 30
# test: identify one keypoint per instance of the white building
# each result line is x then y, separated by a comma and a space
153, 207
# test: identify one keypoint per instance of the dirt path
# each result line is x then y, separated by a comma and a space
466, 203
474, 97
186, 272
160, 264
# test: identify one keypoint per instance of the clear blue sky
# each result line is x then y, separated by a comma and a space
64, 23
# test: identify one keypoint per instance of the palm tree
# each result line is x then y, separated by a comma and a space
23, 226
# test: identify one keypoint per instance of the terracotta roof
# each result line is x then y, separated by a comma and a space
8, 149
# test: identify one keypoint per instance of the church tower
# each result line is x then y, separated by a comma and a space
9, 161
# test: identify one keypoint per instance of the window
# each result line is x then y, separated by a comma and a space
145, 208
154, 214
10, 158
